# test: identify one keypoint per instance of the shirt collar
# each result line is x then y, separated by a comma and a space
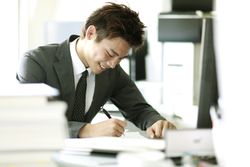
78, 66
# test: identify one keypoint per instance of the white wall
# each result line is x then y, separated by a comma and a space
9, 41
232, 49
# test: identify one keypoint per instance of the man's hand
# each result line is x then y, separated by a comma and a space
111, 127
157, 130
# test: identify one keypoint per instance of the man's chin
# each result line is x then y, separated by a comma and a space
97, 71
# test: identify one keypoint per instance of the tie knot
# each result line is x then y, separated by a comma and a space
85, 73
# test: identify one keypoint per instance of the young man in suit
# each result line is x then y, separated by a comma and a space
109, 33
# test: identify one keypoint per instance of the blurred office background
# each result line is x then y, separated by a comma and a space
172, 69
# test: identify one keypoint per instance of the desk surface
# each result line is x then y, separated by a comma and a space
67, 160
87, 159
70, 160
82, 159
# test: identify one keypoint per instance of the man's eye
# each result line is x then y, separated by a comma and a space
109, 54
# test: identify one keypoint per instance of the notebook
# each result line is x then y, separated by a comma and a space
189, 141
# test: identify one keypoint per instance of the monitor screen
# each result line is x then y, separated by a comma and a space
208, 88
192, 5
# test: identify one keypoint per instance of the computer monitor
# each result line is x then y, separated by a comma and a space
192, 5
208, 89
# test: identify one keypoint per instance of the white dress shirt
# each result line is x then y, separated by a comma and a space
78, 68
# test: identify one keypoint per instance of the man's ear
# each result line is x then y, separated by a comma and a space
91, 32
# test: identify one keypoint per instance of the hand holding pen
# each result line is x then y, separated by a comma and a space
107, 114
110, 127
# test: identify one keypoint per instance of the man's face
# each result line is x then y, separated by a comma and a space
105, 54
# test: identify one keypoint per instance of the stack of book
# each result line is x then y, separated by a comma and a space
33, 127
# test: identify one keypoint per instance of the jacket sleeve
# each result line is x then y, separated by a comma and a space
127, 97
30, 70
74, 128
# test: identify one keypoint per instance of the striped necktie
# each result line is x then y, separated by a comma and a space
80, 96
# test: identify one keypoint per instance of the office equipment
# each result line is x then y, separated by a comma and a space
192, 5
179, 27
195, 28
180, 30
189, 141
208, 86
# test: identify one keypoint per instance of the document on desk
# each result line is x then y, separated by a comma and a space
112, 145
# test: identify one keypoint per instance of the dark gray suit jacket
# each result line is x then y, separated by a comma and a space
52, 65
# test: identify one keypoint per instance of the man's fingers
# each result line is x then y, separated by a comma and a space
158, 130
118, 127
164, 131
150, 133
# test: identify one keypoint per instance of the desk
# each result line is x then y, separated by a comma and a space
67, 160
82, 159
144, 158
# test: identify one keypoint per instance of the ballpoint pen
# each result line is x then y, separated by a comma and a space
106, 112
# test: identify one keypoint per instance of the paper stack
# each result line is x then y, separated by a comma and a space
112, 145
32, 128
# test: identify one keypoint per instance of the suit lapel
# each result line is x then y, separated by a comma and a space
64, 70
